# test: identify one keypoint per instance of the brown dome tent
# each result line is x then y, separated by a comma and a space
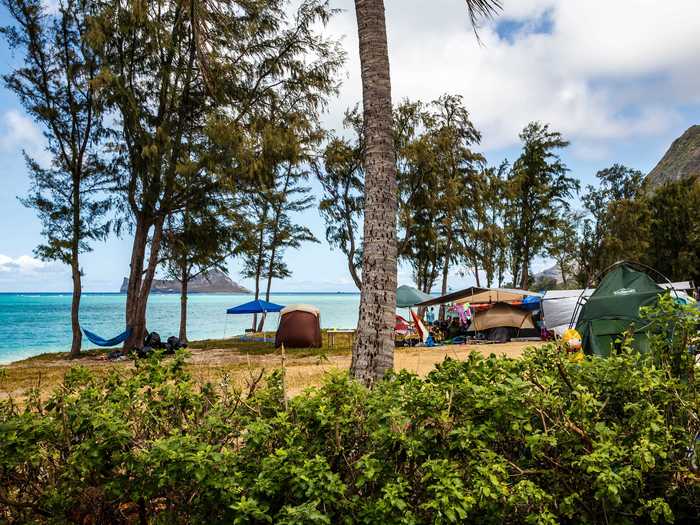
300, 327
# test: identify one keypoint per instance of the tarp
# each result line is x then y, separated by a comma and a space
558, 307
532, 302
452, 296
255, 307
495, 295
682, 286
501, 315
614, 308
407, 296
401, 324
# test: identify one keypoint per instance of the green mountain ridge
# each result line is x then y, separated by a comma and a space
681, 161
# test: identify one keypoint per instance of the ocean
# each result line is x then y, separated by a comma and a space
35, 323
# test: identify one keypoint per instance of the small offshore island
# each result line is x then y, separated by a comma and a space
213, 281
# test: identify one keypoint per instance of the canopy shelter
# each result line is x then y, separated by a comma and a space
407, 296
502, 321
614, 308
255, 307
501, 315
496, 295
479, 295
453, 296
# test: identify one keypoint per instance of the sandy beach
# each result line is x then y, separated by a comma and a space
304, 367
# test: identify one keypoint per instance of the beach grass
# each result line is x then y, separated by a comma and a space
232, 361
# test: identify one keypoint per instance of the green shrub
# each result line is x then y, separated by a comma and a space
487, 440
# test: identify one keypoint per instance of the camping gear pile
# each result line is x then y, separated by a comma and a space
151, 343
600, 316
487, 315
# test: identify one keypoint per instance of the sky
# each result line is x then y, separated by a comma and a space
618, 78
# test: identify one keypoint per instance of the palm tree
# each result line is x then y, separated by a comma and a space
373, 350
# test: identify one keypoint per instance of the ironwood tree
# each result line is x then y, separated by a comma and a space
617, 221
179, 70
287, 140
539, 190
341, 174
673, 245
56, 84
198, 240
484, 240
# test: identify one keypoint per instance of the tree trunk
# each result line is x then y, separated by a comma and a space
138, 255
525, 276
75, 271
140, 281
269, 283
373, 349
75, 307
184, 279
259, 263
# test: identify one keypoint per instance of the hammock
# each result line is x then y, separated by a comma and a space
99, 341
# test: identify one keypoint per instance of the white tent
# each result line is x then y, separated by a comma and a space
558, 306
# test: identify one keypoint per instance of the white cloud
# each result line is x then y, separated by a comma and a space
26, 264
18, 132
605, 70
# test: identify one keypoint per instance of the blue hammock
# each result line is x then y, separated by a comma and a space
99, 341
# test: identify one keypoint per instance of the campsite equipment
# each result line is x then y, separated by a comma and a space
501, 321
532, 302
558, 307
420, 328
614, 308
100, 341
572, 340
495, 295
255, 307
152, 340
401, 325
300, 327
407, 296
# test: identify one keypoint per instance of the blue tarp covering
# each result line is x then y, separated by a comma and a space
255, 307
532, 302
101, 341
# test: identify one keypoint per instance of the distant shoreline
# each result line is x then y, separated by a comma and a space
178, 293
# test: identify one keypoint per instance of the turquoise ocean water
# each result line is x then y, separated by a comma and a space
34, 323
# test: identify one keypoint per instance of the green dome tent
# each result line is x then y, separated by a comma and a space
614, 308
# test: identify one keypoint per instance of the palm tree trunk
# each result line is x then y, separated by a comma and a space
373, 349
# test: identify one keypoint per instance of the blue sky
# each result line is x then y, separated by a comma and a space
619, 78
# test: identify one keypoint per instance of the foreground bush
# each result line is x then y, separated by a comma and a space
489, 440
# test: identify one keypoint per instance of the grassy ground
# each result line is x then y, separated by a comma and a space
235, 361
